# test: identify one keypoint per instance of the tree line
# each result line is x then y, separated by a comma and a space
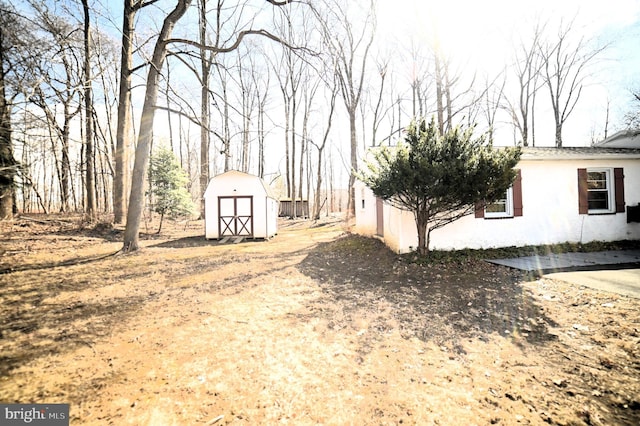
292, 91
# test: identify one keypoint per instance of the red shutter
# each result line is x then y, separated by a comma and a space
517, 194
618, 174
479, 210
583, 192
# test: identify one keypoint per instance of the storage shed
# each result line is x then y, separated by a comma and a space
240, 205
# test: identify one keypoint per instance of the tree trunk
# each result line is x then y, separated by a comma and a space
440, 106
558, 135
261, 139
447, 96
205, 68
533, 119
65, 165
351, 202
317, 205
293, 154
91, 210
225, 121
7, 162
422, 221
124, 115
287, 155
136, 198
303, 148
161, 221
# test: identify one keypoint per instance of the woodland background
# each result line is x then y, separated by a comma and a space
292, 91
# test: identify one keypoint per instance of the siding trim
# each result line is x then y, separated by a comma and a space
618, 174
583, 192
517, 194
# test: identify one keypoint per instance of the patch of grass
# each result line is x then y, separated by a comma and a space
355, 244
449, 256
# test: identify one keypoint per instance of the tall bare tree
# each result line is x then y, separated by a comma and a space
455, 95
377, 102
136, 198
309, 89
60, 87
223, 79
106, 54
7, 162
491, 100
246, 69
14, 40
289, 70
90, 184
206, 63
527, 69
564, 64
350, 46
124, 124
333, 94
261, 82
288, 94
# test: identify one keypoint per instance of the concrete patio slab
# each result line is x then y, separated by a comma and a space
563, 262
625, 282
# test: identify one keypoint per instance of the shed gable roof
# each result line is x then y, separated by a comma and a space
235, 174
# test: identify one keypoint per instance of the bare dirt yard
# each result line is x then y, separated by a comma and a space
316, 326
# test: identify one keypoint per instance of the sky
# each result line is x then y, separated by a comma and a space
482, 32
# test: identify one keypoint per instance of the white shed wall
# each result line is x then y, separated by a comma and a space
236, 184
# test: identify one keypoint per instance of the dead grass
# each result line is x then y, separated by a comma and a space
315, 326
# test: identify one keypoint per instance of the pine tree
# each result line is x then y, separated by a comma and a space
439, 178
168, 186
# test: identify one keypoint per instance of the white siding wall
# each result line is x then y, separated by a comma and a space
550, 213
365, 209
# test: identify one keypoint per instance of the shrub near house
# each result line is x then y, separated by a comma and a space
440, 177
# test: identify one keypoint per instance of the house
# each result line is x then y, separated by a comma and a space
560, 195
622, 139
238, 204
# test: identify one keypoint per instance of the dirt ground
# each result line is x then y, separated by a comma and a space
316, 326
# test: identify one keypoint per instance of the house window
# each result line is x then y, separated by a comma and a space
502, 207
508, 206
599, 191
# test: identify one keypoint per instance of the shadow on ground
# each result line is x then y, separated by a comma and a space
186, 242
80, 260
33, 329
444, 303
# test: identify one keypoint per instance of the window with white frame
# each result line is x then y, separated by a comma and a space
502, 207
600, 191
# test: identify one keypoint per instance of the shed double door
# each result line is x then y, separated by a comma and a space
235, 216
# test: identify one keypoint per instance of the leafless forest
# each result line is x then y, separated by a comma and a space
291, 91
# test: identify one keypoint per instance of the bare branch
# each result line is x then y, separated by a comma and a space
280, 3
140, 4
236, 43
